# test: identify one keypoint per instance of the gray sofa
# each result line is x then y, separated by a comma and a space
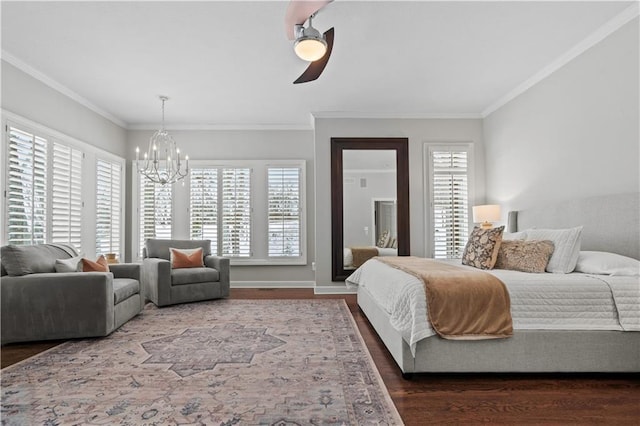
166, 286
39, 303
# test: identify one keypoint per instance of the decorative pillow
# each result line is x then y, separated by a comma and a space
482, 247
72, 264
99, 265
186, 258
566, 244
604, 263
384, 239
525, 256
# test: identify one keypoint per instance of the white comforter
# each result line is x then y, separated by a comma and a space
538, 301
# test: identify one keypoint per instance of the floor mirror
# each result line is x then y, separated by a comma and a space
369, 201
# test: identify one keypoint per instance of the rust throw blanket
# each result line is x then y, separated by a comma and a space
362, 254
463, 304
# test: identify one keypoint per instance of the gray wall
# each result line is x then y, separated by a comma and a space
574, 134
419, 132
358, 205
249, 145
32, 99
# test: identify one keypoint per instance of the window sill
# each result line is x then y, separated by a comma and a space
267, 262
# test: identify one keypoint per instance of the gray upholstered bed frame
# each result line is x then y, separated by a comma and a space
610, 223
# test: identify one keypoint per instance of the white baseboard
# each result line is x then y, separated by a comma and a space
334, 289
273, 284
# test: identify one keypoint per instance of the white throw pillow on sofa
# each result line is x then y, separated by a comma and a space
566, 244
71, 264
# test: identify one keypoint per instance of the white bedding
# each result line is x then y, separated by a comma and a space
538, 301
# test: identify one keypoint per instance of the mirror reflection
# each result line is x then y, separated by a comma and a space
370, 225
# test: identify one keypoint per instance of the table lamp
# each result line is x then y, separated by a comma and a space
486, 214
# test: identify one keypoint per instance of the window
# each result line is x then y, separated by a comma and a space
26, 188
53, 183
66, 199
236, 212
108, 207
155, 211
449, 168
203, 205
229, 188
284, 211
42, 207
252, 210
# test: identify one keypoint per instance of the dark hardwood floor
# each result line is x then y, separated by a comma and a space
513, 399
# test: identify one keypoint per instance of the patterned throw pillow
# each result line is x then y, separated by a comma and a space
383, 240
482, 247
525, 256
186, 258
99, 265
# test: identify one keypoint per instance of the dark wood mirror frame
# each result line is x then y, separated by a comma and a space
401, 147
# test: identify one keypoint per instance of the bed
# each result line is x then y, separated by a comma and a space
569, 342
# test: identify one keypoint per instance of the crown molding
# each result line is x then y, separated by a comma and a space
395, 115
38, 75
178, 127
600, 34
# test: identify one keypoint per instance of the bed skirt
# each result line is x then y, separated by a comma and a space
526, 351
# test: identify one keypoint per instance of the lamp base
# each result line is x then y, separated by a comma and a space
486, 225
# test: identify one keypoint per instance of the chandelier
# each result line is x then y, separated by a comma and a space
162, 163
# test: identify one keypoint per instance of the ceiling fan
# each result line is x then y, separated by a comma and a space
309, 44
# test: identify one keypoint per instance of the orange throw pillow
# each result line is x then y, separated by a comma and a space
186, 258
99, 265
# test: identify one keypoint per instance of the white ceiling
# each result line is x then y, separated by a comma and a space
230, 64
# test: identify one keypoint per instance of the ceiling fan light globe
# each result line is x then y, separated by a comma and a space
310, 48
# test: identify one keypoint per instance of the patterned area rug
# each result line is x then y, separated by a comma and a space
222, 362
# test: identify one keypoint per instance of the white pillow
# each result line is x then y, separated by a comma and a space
566, 243
513, 236
603, 263
72, 264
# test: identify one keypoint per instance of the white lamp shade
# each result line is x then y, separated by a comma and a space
486, 213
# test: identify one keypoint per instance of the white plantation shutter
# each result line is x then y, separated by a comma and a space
450, 202
284, 211
26, 188
66, 196
155, 211
203, 205
108, 207
236, 212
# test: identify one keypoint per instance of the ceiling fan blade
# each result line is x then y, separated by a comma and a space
299, 11
315, 68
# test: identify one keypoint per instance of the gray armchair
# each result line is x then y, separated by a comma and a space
166, 286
